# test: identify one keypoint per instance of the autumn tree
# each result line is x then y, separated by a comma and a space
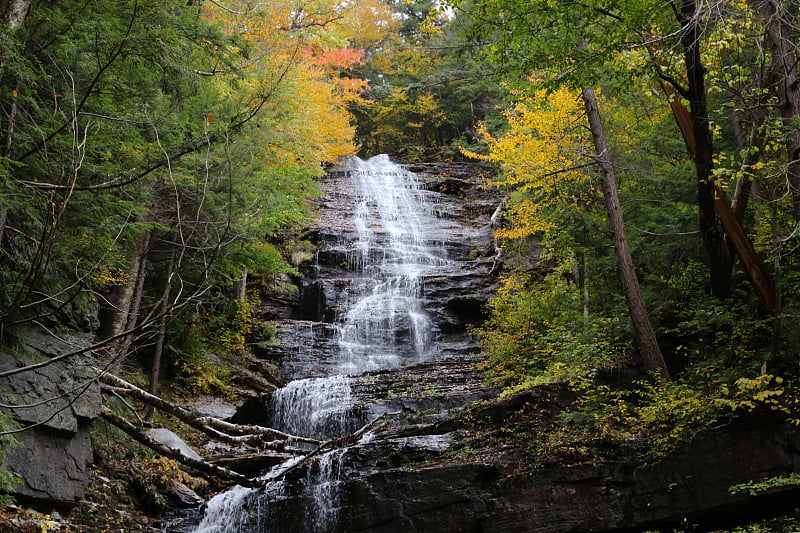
427, 93
151, 154
562, 39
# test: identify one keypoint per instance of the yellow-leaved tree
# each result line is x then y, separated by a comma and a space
542, 162
546, 157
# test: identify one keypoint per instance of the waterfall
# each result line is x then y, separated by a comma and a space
381, 323
385, 324
316, 407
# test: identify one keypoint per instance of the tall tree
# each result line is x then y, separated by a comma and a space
134, 132
643, 330
781, 20
561, 37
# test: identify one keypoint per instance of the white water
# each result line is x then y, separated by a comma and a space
323, 481
240, 509
382, 324
316, 407
385, 324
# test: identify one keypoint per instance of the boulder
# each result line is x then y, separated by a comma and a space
182, 495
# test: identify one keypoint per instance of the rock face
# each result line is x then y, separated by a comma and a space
54, 457
453, 294
617, 493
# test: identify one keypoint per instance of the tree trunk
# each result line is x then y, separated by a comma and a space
136, 305
240, 287
777, 320
208, 425
779, 22
729, 217
158, 349
643, 330
14, 12
116, 308
744, 143
213, 471
719, 258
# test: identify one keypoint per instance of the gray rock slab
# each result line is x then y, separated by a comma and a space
171, 440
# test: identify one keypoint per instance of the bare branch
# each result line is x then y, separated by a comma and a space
208, 425
209, 469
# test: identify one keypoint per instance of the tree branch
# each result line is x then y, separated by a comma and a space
209, 469
254, 435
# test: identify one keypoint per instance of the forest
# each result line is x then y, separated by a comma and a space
159, 164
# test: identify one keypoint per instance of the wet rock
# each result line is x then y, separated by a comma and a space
306, 349
424, 392
417, 483
454, 294
182, 495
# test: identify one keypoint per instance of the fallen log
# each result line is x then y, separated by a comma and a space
214, 471
336, 442
249, 435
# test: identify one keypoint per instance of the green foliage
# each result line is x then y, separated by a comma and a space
664, 415
226, 328
537, 332
763, 391
754, 488
427, 92
190, 363
7, 478
710, 329
199, 346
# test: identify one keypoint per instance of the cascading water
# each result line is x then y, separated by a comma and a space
384, 324
381, 324
314, 407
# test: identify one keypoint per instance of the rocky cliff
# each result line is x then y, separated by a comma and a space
454, 294
423, 480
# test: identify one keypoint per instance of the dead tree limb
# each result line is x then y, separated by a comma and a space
252, 435
214, 471
337, 442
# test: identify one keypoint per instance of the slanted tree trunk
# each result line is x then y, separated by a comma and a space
643, 330
253, 435
158, 348
727, 217
211, 470
780, 23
